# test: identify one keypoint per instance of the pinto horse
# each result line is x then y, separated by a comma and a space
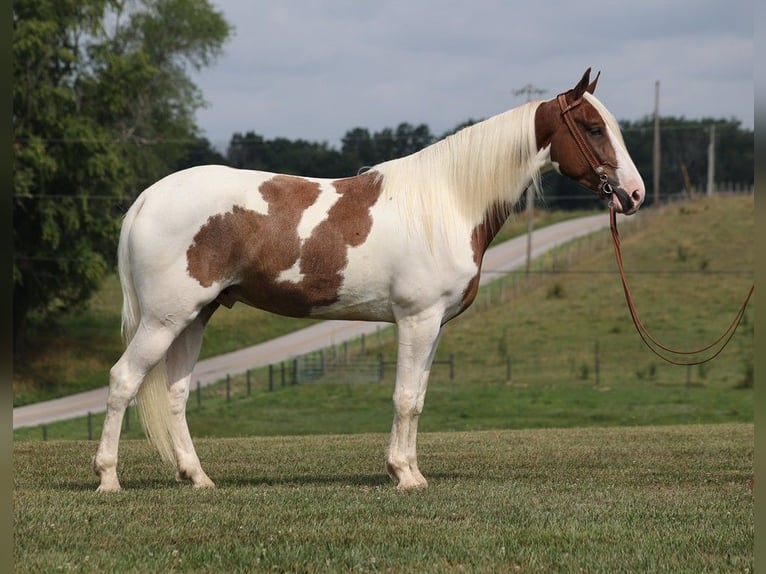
402, 242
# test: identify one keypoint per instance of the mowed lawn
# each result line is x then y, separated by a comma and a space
620, 499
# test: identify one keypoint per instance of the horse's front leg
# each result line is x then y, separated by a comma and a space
418, 338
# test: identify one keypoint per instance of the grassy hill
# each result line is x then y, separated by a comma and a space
641, 466
575, 359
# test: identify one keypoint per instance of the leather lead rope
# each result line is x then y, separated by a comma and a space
650, 341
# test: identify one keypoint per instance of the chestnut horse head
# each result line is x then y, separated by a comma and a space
586, 145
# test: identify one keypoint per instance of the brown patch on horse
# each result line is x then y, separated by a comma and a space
324, 254
481, 236
251, 249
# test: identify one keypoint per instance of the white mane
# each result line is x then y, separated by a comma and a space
481, 167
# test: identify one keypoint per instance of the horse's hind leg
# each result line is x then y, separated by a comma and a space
181, 358
145, 351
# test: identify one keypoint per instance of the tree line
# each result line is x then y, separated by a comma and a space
683, 144
104, 105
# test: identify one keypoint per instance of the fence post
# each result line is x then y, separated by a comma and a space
90, 426
228, 387
364, 345
199, 396
247, 381
271, 377
282, 372
295, 371
381, 367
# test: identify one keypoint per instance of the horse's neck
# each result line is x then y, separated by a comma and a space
490, 164
467, 179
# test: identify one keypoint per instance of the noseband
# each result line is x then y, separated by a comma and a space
605, 188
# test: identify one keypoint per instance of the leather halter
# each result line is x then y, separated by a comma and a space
605, 188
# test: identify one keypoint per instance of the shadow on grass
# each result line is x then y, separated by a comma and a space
351, 480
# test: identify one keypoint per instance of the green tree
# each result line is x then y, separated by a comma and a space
102, 106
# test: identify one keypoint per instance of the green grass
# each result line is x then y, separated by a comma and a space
467, 405
648, 499
647, 468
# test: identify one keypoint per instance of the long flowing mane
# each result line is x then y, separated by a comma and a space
484, 166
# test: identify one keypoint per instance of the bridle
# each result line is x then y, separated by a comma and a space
606, 190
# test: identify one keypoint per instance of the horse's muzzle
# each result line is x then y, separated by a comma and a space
627, 203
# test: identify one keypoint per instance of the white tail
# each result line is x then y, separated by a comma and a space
152, 398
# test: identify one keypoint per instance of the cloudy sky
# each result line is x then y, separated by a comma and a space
314, 69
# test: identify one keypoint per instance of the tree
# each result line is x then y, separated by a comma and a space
102, 103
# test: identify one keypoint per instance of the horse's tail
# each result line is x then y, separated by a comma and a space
152, 398
131, 312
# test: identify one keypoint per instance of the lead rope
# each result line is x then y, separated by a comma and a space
647, 338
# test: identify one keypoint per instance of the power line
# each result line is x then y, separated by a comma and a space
529, 90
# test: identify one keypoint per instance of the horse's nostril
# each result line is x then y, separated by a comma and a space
636, 195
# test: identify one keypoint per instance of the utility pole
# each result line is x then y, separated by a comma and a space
656, 182
529, 90
711, 161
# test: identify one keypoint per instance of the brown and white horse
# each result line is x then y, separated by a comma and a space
402, 242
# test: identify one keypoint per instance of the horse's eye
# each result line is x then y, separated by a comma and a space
595, 131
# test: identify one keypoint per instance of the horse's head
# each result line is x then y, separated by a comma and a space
586, 145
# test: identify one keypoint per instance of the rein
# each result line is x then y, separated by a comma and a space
606, 190
647, 338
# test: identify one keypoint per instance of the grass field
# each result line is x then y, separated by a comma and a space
629, 499
648, 468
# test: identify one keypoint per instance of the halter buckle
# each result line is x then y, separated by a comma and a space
604, 187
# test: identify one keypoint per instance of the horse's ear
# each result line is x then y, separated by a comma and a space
592, 86
581, 87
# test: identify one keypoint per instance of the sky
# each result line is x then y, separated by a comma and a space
314, 69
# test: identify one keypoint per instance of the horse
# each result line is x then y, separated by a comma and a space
402, 242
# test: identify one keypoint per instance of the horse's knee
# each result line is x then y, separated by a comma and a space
406, 404
122, 388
